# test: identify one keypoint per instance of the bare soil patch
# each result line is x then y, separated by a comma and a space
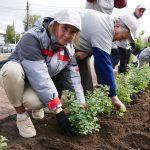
132, 131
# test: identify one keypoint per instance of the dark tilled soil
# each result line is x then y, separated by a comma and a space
130, 132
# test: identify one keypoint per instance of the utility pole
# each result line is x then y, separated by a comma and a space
27, 15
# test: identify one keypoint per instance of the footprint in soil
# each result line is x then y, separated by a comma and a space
139, 140
22, 146
58, 144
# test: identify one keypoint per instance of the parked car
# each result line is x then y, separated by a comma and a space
12, 47
8, 48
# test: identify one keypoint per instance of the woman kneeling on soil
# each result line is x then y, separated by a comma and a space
42, 65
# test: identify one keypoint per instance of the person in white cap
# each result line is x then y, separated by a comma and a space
139, 11
124, 47
42, 65
98, 32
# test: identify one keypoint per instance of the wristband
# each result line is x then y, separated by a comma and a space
54, 104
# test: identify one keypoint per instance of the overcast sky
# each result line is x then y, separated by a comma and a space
15, 10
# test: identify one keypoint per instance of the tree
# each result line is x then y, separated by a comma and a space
31, 20
17, 37
11, 36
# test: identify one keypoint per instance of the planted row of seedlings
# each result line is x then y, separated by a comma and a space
3, 143
98, 102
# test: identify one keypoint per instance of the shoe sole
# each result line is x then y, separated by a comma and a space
37, 118
27, 135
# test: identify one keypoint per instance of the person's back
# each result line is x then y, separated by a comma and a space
99, 33
105, 6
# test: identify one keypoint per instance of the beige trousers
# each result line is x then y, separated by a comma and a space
18, 92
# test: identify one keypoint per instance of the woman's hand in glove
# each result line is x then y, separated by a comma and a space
64, 124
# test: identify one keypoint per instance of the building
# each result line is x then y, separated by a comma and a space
2, 37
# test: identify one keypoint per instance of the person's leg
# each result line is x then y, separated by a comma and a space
115, 57
30, 99
128, 58
85, 73
12, 76
123, 60
32, 102
83, 60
